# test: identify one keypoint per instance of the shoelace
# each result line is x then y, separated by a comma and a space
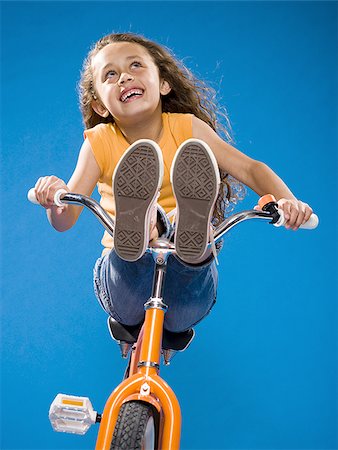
172, 214
213, 244
153, 211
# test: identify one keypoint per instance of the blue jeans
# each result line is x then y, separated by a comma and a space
123, 287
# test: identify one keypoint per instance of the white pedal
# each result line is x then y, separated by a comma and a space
71, 414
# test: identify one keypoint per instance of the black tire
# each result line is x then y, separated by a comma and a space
136, 427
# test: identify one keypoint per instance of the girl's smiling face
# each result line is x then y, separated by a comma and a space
127, 82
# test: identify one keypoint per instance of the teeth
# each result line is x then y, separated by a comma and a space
129, 93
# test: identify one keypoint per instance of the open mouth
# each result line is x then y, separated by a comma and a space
131, 95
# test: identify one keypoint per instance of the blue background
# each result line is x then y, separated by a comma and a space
262, 371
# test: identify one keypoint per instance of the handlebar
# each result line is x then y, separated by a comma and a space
268, 204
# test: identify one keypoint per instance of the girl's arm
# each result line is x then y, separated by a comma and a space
255, 174
83, 181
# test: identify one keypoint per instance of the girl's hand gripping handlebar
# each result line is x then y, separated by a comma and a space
269, 203
57, 197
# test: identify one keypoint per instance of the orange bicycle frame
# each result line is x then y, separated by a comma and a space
144, 383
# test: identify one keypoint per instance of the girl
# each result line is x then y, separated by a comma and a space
139, 102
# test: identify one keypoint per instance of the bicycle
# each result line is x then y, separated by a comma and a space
143, 411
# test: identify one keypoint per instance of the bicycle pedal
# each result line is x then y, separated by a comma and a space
72, 414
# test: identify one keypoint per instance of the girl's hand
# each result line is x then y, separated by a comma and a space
45, 189
296, 213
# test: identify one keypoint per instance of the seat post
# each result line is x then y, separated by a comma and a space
159, 276
155, 310
160, 250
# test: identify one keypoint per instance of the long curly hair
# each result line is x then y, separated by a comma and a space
188, 95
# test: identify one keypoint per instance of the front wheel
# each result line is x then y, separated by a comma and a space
135, 427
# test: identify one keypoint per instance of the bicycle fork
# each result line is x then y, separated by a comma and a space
144, 383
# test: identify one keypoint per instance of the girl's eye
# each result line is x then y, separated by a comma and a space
136, 64
110, 74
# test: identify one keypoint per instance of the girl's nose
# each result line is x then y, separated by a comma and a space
125, 77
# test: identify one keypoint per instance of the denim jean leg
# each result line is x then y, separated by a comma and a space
100, 294
189, 292
123, 287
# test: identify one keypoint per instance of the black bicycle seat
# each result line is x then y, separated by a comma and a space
129, 334
124, 333
177, 341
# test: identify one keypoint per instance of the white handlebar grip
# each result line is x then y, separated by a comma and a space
57, 195
57, 201
31, 196
311, 224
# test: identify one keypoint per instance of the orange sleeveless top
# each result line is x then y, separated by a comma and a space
109, 144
